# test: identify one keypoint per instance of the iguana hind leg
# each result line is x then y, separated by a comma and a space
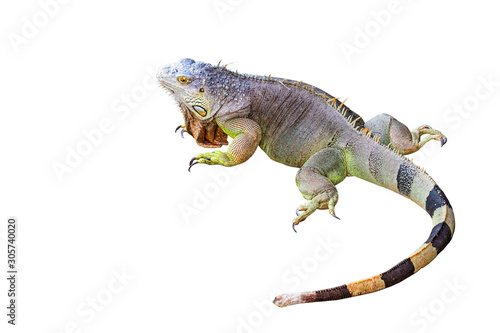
316, 180
395, 134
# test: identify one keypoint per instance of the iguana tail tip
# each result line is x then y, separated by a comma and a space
287, 299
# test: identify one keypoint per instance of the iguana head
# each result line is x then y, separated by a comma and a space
203, 92
186, 81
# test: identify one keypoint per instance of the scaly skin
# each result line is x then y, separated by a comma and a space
302, 126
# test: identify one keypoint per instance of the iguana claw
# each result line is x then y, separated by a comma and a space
192, 162
197, 160
432, 135
443, 141
293, 226
189, 169
332, 213
182, 131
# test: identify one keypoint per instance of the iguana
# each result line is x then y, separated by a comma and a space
302, 126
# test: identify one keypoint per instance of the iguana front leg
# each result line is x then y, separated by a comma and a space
246, 135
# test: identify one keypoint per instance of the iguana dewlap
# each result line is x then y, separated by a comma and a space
302, 126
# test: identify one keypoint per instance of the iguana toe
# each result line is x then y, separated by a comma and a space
432, 135
331, 206
195, 160
213, 158
423, 127
332, 213
191, 165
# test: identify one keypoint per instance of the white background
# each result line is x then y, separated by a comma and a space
205, 251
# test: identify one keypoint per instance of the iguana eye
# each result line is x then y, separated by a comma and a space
183, 79
202, 90
200, 110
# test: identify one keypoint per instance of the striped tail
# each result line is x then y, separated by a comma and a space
382, 166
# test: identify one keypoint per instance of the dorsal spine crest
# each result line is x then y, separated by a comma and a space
332, 102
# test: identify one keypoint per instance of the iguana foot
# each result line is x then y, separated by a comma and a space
325, 200
304, 207
213, 158
316, 180
433, 135
183, 130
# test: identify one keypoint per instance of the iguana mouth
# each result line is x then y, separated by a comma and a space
169, 88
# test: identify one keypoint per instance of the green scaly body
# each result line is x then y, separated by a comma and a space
302, 126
